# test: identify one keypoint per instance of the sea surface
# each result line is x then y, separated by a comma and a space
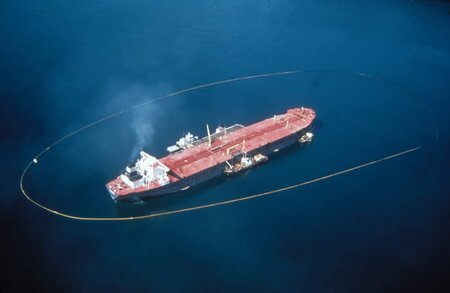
377, 74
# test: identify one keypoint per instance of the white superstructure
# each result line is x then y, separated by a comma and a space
183, 143
147, 169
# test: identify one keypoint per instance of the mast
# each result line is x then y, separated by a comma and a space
209, 135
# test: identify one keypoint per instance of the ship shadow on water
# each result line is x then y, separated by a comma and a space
196, 195
318, 124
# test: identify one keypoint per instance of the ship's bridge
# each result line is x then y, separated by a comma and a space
149, 170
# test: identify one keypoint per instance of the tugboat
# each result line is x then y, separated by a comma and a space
245, 163
307, 137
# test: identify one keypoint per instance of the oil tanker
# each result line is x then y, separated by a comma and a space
227, 151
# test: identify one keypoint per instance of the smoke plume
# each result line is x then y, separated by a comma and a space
142, 120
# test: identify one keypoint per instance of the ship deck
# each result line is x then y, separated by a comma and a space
203, 156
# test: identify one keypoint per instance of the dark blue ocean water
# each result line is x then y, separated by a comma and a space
384, 228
